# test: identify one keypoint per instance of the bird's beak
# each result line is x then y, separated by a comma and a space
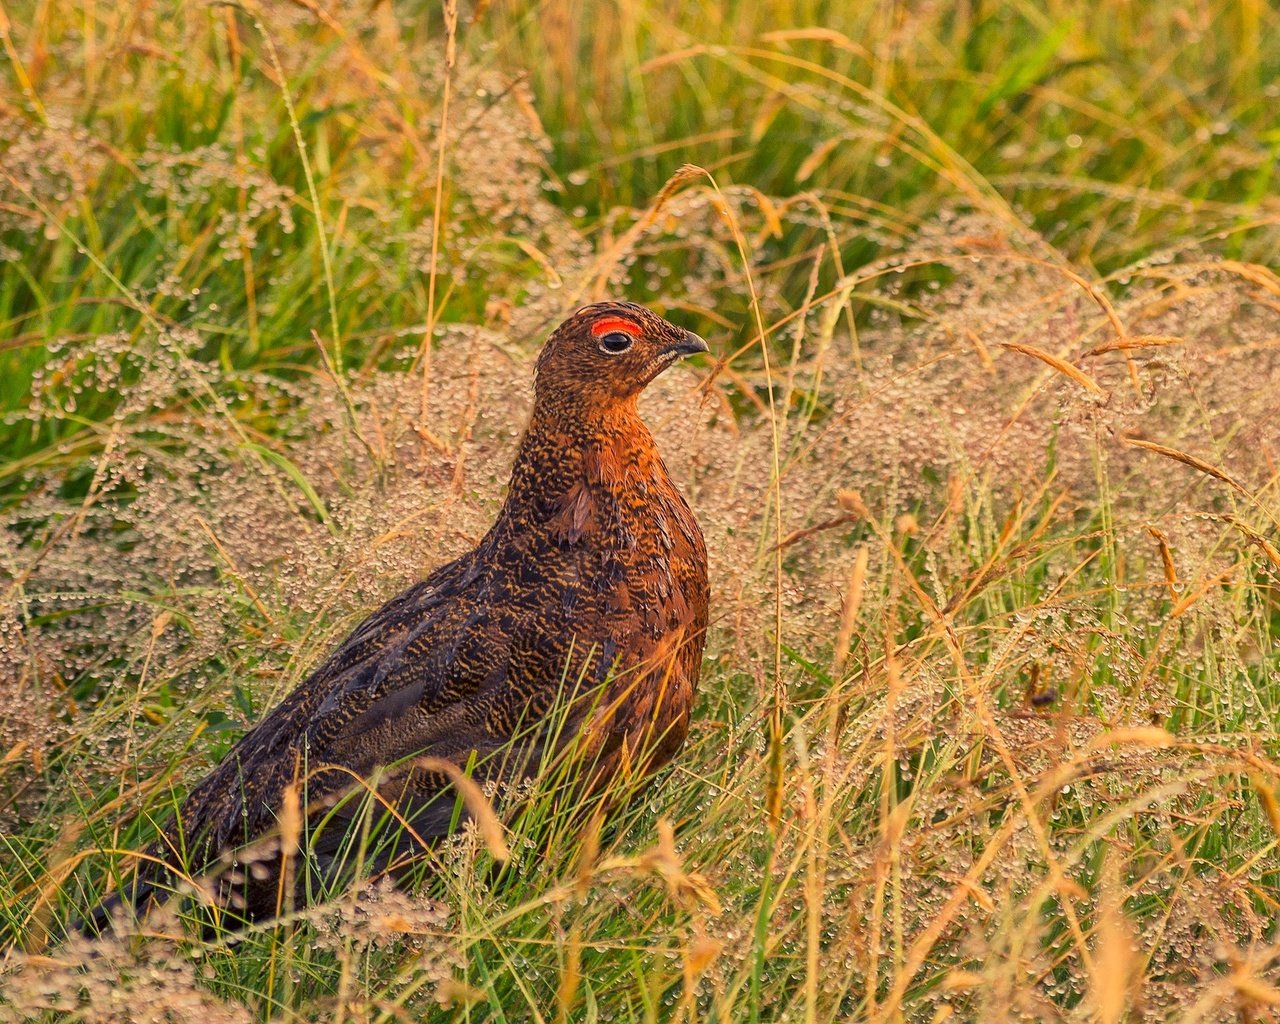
687, 347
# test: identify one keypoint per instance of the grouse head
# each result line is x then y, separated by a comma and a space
607, 352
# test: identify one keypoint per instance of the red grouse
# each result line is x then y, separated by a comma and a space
590, 587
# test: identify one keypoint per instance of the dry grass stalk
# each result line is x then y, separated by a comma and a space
852, 602
1259, 541
1134, 342
478, 805
1061, 365
1117, 968
1193, 462
1166, 560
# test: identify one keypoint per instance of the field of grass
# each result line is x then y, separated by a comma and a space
987, 454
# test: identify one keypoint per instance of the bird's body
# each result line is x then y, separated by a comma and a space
591, 584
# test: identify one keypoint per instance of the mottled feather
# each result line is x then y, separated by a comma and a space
594, 571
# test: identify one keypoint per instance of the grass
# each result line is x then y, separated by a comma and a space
986, 462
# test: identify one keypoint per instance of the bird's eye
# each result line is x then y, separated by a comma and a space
615, 342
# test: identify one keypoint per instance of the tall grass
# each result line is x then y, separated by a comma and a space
986, 461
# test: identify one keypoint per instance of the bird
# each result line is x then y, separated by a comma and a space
589, 593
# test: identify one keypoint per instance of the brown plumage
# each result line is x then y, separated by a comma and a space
591, 585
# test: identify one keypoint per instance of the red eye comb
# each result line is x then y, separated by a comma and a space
615, 323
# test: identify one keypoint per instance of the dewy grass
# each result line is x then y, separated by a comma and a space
1018, 380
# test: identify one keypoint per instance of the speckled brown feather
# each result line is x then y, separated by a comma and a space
595, 573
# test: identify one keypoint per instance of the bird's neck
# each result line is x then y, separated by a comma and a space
566, 445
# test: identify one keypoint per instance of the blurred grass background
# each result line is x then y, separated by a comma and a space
1113, 136
227, 231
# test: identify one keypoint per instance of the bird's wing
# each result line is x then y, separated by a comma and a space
395, 659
